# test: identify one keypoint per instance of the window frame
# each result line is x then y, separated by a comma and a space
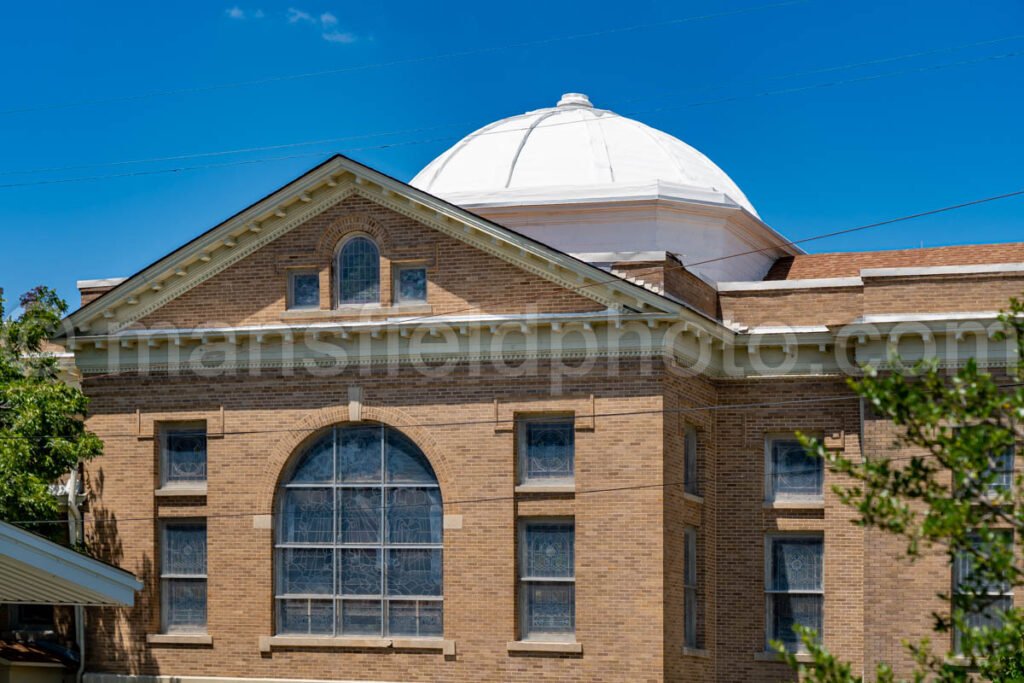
770, 593
339, 271
691, 465
997, 593
691, 600
184, 427
396, 289
523, 451
383, 546
522, 599
166, 577
297, 272
771, 494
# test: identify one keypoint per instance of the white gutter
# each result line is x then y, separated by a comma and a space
774, 285
983, 268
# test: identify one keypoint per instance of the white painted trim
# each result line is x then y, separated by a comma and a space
102, 282
770, 285
43, 567
877, 318
620, 256
977, 269
785, 329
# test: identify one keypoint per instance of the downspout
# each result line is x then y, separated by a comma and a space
77, 538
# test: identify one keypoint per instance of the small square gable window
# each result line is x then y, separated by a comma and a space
411, 284
304, 290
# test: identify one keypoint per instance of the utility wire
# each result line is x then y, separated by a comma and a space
400, 62
720, 100
465, 123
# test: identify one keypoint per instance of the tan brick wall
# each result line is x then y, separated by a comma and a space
825, 306
619, 552
937, 294
461, 278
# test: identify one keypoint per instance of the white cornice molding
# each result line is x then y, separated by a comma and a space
325, 187
776, 285
925, 271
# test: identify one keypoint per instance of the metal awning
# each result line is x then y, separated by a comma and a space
35, 570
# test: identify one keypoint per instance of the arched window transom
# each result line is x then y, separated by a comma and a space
359, 272
358, 549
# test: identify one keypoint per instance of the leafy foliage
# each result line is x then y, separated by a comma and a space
42, 435
953, 495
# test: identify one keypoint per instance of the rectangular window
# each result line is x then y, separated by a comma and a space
304, 289
183, 455
793, 473
547, 580
1004, 471
794, 587
547, 450
411, 284
183, 577
690, 462
690, 588
999, 596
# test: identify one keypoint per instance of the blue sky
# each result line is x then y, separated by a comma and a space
945, 128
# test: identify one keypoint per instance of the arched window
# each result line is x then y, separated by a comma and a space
359, 272
358, 550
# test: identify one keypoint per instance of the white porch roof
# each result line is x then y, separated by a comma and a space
34, 570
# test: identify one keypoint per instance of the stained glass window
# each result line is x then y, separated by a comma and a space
794, 587
547, 450
359, 272
183, 577
305, 290
183, 455
548, 580
411, 284
690, 588
359, 542
792, 471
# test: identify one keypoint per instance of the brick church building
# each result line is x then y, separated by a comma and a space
528, 417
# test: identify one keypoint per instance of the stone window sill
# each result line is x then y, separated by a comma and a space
695, 652
772, 656
542, 646
693, 498
191, 490
349, 312
546, 488
446, 647
795, 505
179, 639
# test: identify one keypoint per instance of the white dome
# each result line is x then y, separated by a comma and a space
574, 152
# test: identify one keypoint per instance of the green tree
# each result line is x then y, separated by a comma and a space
42, 433
955, 497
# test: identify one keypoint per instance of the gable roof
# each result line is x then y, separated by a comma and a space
316, 190
849, 264
35, 570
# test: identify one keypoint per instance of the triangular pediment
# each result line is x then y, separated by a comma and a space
318, 191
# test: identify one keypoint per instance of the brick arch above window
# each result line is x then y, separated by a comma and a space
312, 426
344, 227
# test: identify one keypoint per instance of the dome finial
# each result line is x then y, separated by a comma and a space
575, 99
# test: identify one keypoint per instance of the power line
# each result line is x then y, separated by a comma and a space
305, 143
399, 62
721, 100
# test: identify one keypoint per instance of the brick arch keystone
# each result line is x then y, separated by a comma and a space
313, 424
345, 225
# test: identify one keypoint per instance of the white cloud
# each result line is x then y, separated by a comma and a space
339, 37
328, 19
236, 12
297, 15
